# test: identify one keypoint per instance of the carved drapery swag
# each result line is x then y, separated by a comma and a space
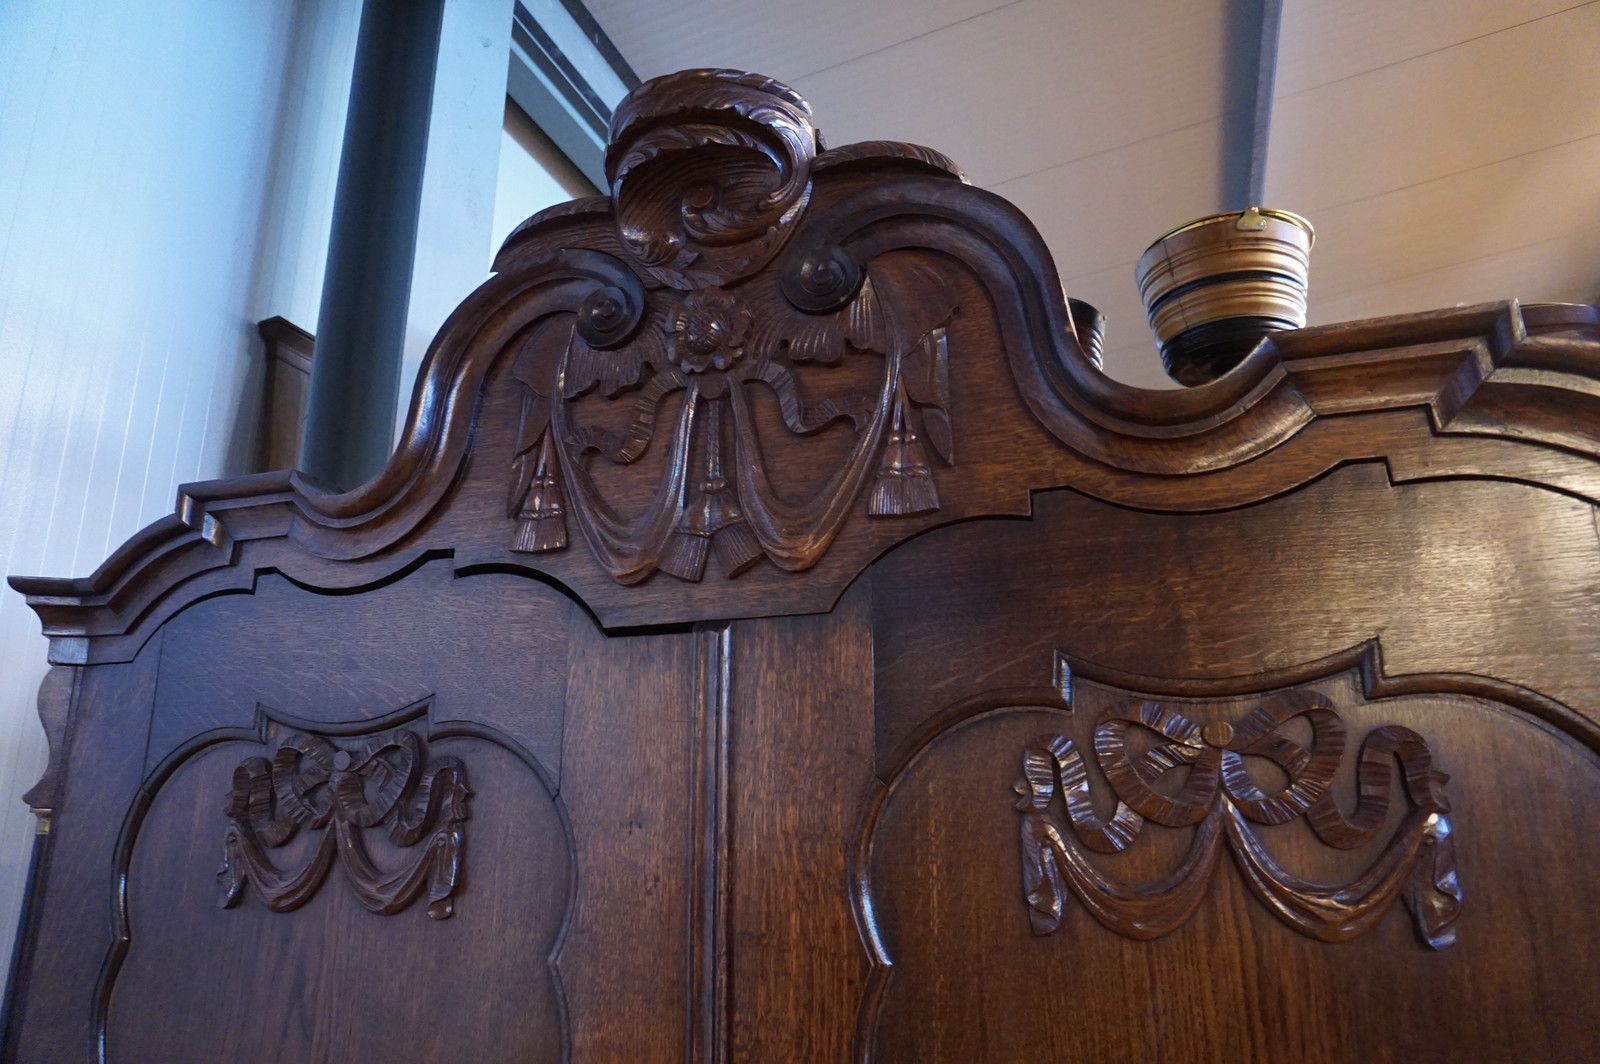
1223, 804
310, 783
710, 173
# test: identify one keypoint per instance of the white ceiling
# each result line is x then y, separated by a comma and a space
1448, 151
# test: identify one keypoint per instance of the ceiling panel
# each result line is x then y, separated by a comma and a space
1098, 213
1324, 40
1561, 269
1465, 217
1488, 99
1105, 208
1466, 173
1033, 85
774, 37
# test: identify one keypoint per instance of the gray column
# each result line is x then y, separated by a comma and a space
1252, 65
355, 375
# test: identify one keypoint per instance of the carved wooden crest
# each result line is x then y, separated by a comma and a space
709, 172
756, 350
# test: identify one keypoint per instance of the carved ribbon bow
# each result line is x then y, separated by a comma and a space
310, 783
1221, 801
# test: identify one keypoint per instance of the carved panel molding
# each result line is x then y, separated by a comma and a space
1221, 800
372, 803
341, 792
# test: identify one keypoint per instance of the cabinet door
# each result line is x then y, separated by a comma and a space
1301, 781
389, 895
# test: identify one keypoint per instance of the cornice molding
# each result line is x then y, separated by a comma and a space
724, 389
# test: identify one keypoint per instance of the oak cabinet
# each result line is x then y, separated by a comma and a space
776, 641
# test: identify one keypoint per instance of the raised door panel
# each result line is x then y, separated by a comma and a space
425, 934
1013, 928
466, 746
1098, 834
1478, 577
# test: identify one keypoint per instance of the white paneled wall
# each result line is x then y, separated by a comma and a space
148, 154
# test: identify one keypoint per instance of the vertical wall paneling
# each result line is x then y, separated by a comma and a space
144, 169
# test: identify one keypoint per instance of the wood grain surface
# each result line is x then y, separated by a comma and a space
826, 663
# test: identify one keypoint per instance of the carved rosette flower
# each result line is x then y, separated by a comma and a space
708, 331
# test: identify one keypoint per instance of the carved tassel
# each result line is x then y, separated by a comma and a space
542, 521
731, 536
736, 547
685, 553
905, 480
713, 522
1434, 896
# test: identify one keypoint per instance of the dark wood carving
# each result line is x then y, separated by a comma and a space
55, 704
748, 525
797, 330
1221, 800
312, 784
1316, 824
683, 339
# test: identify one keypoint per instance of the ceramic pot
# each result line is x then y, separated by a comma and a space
1214, 287
1090, 325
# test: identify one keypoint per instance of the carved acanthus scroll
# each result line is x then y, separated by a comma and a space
1224, 805
710, 173
310, 783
